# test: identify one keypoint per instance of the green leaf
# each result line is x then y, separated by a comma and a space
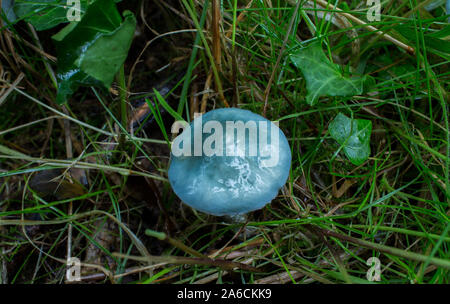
45, 14
90, 52
65, 31
167, 107
353, 135
445, 32
323, 78
430, 40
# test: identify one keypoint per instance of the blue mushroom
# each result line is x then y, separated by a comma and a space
229, 162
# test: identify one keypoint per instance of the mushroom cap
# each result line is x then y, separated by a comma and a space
227, 183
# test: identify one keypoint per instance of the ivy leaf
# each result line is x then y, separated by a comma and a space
353, 135
45, 14
323, 78
90, 52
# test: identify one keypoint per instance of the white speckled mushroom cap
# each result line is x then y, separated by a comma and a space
243, 162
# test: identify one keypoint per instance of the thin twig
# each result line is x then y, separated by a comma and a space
371, 28
224, 264
11, 88
216, 34
389, 250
